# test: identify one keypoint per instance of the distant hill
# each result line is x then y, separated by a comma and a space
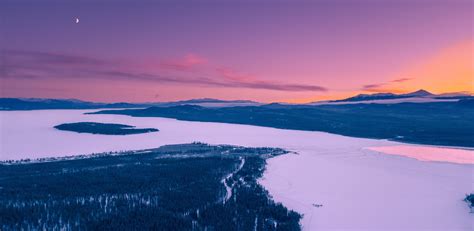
209, 102
419, 93
361, 97
39, 103
377, 96
420, 96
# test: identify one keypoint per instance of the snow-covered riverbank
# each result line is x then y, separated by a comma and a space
358, 188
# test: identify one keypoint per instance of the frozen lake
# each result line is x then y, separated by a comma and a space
411, 187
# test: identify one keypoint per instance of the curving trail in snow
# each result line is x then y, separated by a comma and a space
228, 188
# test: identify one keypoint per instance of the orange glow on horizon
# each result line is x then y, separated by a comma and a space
449, 70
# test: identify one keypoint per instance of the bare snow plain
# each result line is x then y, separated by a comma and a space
358, 184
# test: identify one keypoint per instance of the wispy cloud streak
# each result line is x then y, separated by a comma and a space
45, 66
186, 63
401, 80
384, 87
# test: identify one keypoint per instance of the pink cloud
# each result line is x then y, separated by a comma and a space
185, 63
230, 77
42, 66
230, 74
382, 87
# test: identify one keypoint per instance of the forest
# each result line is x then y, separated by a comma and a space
440, 123
470, 200
103, 128
175, 187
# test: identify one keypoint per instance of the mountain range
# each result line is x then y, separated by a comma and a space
420, 96
39, 103
420, 93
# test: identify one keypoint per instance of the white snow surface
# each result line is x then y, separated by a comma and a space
359, 187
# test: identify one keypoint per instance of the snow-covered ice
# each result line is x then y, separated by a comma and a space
358, 186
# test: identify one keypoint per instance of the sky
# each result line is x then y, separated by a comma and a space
267, 51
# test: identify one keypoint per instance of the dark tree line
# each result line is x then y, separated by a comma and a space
103, 128
441, 123
176, 187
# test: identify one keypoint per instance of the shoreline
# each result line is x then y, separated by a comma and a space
83, 113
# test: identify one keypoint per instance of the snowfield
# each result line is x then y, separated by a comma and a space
362, 184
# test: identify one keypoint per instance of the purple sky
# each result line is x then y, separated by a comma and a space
261, 50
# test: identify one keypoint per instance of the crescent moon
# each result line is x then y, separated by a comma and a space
77, 20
